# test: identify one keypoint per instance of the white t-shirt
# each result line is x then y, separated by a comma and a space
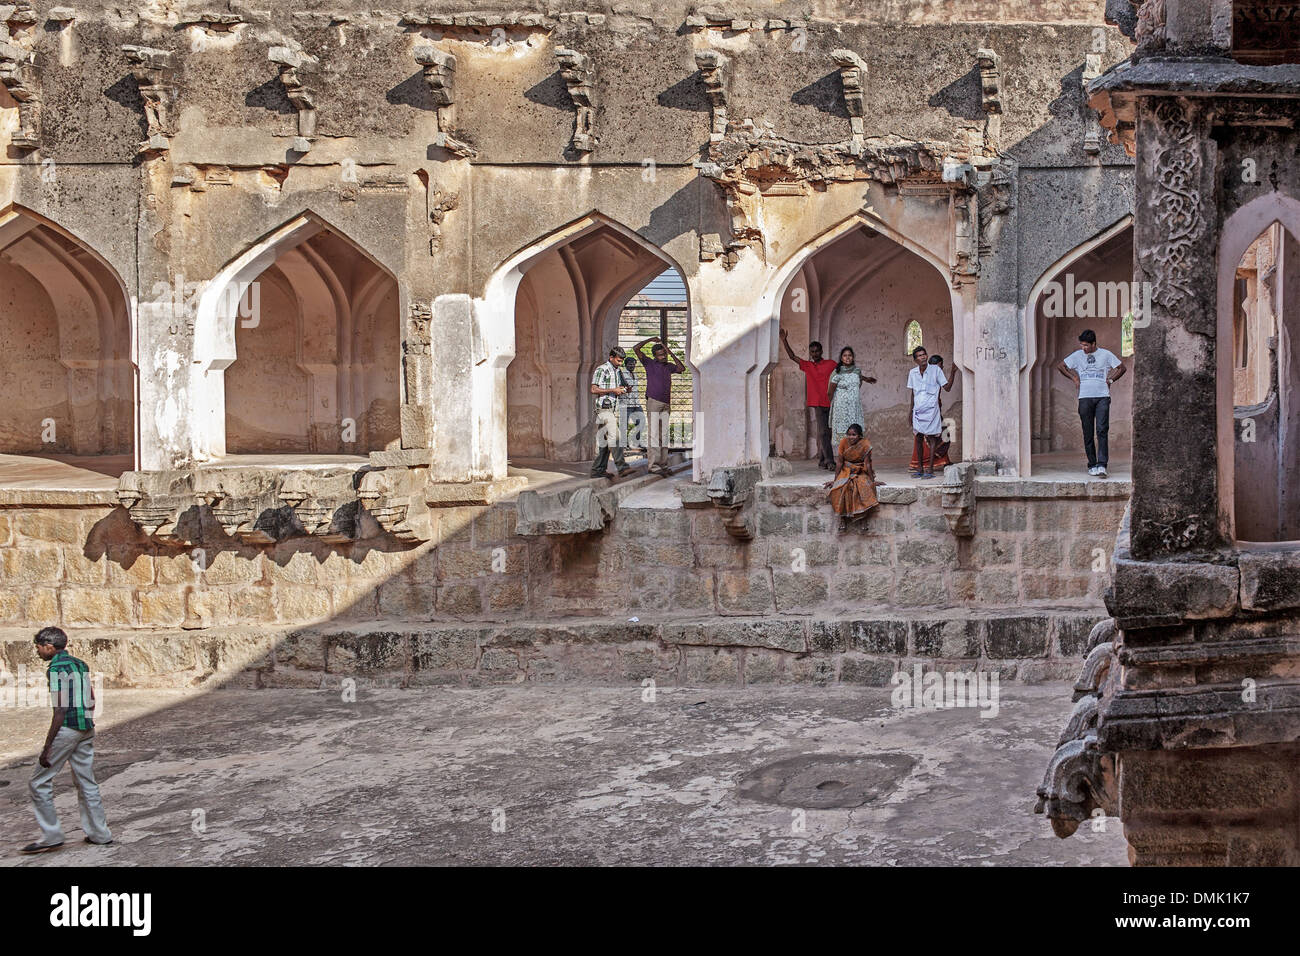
1092, 370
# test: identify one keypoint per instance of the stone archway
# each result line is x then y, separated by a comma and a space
1091, 287
863, 287
1258, 368
567, 295
67, 371
298, 348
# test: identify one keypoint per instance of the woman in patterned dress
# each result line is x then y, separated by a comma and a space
845, 395
853, 490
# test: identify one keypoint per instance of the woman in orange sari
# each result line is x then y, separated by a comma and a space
853, 490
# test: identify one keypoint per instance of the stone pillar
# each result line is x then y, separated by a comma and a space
733, 343
1175, 503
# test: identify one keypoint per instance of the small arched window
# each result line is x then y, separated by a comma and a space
913, 336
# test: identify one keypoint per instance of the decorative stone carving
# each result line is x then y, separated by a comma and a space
1080, 778
394, 498
990, 68
162, 503
995, 202
1176, 207
296, 72
732, 490
713, 69
324, 505
959, 498
853, 78
20, 73
1091, 119
154, 73
1150, 30
576, 70
245, 503
440, 73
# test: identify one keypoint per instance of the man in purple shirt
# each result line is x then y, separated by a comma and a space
658, 397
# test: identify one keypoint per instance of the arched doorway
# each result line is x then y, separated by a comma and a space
299, 349
866, 290
575, 300
1259, 367
67, 379
1090, 288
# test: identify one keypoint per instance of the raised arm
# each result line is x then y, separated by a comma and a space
951, 378
642, 344
785, 340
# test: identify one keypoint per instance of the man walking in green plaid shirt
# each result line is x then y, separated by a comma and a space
70, 740
611, 409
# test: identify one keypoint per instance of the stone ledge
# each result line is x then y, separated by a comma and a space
1026, 646
57, 498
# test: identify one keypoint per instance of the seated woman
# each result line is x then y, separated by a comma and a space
853, 490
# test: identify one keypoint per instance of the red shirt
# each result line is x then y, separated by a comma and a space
818, 382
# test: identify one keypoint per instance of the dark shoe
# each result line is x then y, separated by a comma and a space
40, 847
625, 470
928, 474
93, 843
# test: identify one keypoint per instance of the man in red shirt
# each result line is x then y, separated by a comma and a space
817, 373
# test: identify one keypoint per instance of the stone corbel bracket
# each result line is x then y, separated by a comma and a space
324, 505
714, 69
990, 67
440, 74
577, 72
1091, 119
162, 504
155, 76
245, 504
572, 512
959, 499
1080, 781
732, 489
853, 79
21, 76
297, 70
395, 499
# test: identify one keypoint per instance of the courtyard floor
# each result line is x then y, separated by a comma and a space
558, 775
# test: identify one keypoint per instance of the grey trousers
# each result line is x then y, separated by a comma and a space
657, 445
76, 748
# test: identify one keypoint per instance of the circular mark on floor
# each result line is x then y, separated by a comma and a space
827, 781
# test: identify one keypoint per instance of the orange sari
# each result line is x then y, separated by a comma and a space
853, 493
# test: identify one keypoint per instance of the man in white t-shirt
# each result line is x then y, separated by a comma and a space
1093, 370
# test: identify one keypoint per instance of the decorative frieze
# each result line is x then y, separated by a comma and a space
577, 72
1091, 118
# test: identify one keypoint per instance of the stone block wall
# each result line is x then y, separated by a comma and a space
81, 563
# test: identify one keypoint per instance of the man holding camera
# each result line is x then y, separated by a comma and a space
608, 385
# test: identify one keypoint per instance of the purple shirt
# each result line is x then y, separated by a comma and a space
658, 380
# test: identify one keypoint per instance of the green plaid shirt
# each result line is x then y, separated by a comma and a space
70, 687
606, 376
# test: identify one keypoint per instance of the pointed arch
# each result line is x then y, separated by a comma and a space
225, 304
1239, 231
1029, 330
590, 267
92, 338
